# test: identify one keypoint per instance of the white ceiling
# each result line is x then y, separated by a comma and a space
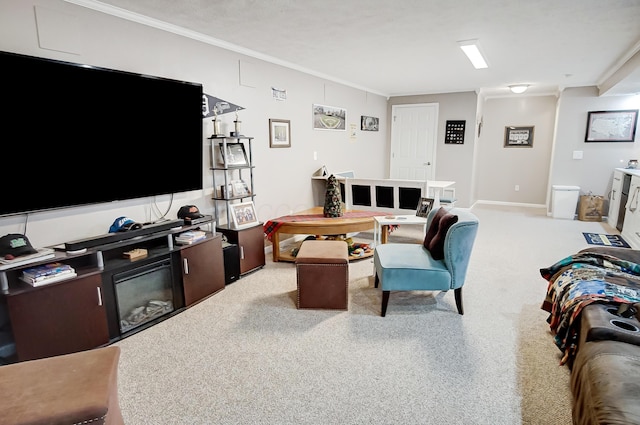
410, 46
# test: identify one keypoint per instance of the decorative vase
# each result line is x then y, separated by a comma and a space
332, 198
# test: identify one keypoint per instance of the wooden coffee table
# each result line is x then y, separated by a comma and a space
315, 224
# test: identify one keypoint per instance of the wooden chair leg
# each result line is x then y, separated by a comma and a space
376, 281
458, 295
385, 301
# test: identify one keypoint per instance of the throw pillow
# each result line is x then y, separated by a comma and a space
433, 227
436, 245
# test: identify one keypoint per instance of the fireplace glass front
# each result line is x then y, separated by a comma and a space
143, 294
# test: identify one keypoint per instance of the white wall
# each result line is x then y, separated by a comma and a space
526, 167
484, 170
282, 175
594, 172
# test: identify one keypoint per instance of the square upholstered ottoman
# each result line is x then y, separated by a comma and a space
322, 270
76, 388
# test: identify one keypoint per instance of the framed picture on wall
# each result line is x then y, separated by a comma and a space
519, 137
454, 132
329, 118
279, 133
611, 126
369, 123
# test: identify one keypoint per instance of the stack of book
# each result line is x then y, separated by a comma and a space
47, 273
189, 237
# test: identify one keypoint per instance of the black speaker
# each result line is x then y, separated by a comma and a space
231, 253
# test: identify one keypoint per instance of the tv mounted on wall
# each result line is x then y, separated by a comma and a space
76, 135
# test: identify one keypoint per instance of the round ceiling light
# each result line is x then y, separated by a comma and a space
519, 88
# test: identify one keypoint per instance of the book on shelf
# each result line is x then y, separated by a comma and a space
49, 279
190, 234
190, 237
47, 270
187, 241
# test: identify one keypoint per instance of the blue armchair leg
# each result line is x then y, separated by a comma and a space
385, 301
376, 281
458, 295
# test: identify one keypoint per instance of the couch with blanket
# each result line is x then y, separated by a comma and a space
593, 300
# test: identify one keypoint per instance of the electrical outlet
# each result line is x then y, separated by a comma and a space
517, 187
315, 155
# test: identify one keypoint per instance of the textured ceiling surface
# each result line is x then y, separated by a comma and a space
410, 46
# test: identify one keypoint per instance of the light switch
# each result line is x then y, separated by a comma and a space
577, 154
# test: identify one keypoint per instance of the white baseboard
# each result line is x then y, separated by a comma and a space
510, 204
519, 204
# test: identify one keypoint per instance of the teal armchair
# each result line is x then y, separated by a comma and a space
439, 264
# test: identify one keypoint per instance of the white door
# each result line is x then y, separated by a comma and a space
414, 130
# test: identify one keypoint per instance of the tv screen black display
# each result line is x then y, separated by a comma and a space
75, 135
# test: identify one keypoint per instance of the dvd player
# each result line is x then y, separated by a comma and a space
108, 238
194, 221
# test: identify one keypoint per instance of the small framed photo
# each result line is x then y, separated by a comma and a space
521, 137
240, 188
424, 207
279, 133
611, 126
244, 215
235, 156
369, 123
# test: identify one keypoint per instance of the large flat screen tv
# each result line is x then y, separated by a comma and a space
75, 135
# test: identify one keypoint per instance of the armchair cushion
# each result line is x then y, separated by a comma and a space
433, 227
436, 244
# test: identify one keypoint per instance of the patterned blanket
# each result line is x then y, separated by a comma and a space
579, 280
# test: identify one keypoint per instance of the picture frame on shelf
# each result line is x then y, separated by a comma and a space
240, 188
279, 133
611, 126
518, 137
424, 207
235, 156
243, 215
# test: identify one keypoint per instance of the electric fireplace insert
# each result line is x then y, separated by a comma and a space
143, 294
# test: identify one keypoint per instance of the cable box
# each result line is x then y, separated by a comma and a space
204, 219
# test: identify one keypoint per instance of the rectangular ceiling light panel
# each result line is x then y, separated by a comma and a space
471, 49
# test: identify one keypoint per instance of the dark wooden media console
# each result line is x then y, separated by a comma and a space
114, 294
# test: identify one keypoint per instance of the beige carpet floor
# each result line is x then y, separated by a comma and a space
247, 356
